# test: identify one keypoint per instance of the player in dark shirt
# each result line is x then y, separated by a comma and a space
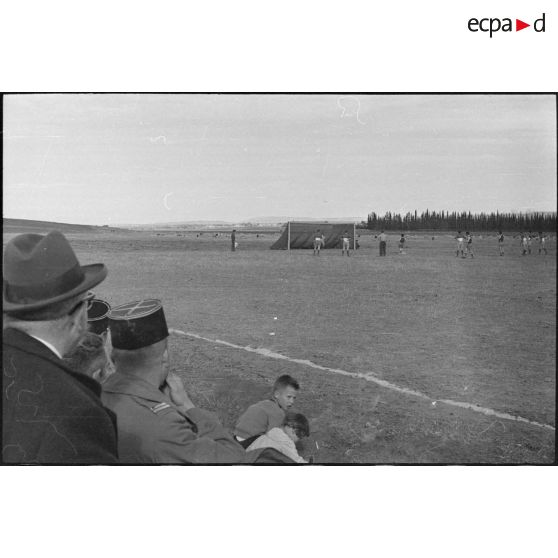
401, 243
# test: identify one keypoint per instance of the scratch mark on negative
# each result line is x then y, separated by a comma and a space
11, 377
41, 170
36, 409
348, 111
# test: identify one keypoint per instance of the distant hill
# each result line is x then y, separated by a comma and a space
174, 225
284, 219
28, 225
252, 221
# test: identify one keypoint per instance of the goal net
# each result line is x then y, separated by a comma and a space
300, 235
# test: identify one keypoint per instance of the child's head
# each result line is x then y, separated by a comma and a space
296, 426
284, 391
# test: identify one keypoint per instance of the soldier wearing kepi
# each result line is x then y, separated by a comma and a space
88, 351
157, 421
51, 413
97, 317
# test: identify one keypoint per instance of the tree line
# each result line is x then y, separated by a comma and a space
454, 221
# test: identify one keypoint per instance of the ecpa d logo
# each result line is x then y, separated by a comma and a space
492, 25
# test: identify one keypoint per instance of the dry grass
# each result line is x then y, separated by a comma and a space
481, 331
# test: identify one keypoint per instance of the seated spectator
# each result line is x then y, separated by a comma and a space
97, 316
91, 357
50, 413
283, 438
157, 422
261, 417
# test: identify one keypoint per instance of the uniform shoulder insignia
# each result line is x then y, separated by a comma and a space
159, 407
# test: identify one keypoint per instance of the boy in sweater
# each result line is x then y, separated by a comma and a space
270, 413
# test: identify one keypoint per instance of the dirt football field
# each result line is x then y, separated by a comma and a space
421, 357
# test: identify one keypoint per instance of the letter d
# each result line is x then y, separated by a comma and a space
535, 25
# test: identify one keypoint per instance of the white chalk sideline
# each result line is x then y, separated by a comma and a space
369, 377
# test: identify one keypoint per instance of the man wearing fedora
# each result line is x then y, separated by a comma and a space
51, 414
157, 421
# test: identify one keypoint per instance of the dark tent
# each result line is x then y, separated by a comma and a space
301, 235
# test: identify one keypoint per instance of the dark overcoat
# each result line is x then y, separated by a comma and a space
51, 414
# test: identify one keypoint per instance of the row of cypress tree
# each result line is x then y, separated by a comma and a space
453, 221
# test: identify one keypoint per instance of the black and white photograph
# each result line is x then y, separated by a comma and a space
258, 278
278, 279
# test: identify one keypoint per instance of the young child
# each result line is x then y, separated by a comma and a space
283, 438
401, 244
270, 413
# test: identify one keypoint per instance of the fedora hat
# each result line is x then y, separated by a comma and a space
40, 270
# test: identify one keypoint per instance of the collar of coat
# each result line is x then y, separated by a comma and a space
21, 341
128, 384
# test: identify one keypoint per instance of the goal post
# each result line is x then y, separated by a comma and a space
289, 236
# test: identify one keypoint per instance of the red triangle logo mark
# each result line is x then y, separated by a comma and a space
519, 25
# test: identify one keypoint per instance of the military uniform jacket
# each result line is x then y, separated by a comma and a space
51, 414
151, 429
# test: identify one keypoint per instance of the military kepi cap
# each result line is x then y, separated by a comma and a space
138, 324
98, 316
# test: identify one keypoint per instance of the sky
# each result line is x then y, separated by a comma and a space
141, 159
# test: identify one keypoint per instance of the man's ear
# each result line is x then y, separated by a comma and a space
65, 323
76, 323
74, 320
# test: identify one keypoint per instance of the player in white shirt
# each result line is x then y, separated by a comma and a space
319, 241
523, 244
529, 241
542, 241
460, 243
346, 240
383, 243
